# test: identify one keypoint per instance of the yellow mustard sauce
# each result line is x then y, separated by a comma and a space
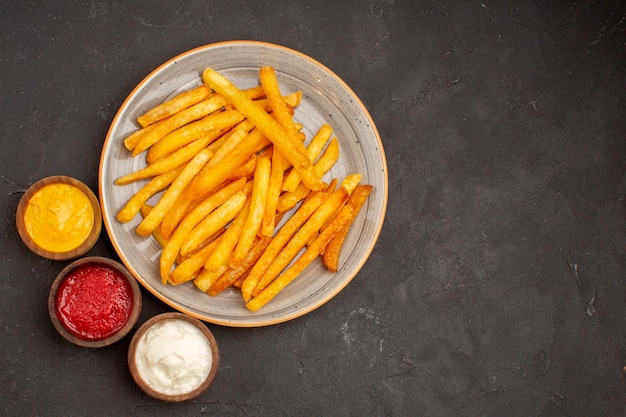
59, 217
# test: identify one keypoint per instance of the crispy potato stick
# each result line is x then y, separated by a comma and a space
217, 219
214, 175
172, 123
176, 240
351, 181
330, 258
288, 200
280, 111
153, 219
279, 164
255, 215
156, 184
215, 124
282, 237
188, 269
302, 262
231, 275
206, 278
293, 150
156, 233
179, 102
227, 241
167, 163
313, 150
132, 139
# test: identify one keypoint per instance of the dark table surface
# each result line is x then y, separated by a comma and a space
498, 284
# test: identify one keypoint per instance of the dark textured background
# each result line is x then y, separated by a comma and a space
498, 285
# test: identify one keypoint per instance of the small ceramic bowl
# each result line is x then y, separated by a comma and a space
49, 243
94, 302
181, 350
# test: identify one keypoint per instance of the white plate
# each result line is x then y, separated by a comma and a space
326, 98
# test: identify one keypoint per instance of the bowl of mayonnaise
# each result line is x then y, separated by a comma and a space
173, 357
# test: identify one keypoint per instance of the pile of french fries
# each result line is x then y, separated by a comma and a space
241, 196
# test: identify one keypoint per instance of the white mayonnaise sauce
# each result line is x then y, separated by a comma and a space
173, 357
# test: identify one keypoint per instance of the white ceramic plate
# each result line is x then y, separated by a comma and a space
326, 99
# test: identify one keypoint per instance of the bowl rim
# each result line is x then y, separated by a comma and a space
81, 249
144, 386
132, 319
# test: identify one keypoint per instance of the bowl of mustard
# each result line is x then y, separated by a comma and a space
59, 218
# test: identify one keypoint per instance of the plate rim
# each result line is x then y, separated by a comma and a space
298, 312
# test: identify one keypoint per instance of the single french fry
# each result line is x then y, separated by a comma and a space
179, 119
293, 150
181, 233
212, 176
301, 237
217, 219
279, 164
156, 184
351, 181
280, 110
206, 278
153, 219
167, 163
214, 125
189, 268
332, 251
133, 138
314, 149
255, 215
227, 241
156, 233
282, 237
302, 262
176, 104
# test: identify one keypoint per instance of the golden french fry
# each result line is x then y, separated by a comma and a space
176, 104
302, 262
214, 175
227, 241
156, 233
282, 237
167, 163
293, 150
279, 164
176, 240
156, 184
231, 140
215, 125
179, 119
350, 182
153, 219
255, 215
217, 219
332, 251
280, 109
189, 268
206, 278
313, 150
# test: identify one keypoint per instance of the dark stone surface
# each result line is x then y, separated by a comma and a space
497, 287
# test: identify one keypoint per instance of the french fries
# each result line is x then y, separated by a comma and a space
225, 166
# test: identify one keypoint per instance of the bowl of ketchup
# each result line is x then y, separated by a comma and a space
94, 302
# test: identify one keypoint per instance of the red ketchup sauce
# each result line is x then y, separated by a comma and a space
94, 301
